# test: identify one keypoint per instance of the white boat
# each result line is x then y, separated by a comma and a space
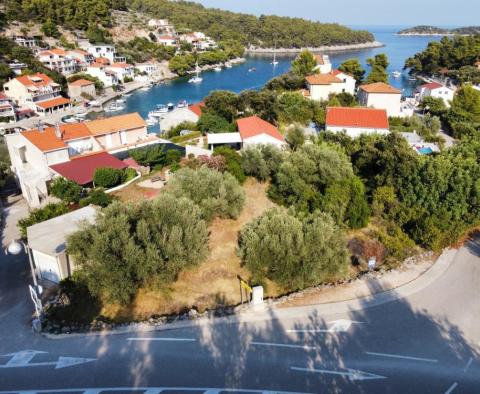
70, 119
274, 61
252, 70
396, 74
81, 115
151, 121
218, 69
114, 107
120, 100
170, 107
412, 78
228, 65
126, 94
196, 78
94, 103
182, 104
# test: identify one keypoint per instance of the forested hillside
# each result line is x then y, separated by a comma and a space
265, 31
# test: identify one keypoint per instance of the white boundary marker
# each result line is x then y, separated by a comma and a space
451, 388
427, 360
162, 339
285, 345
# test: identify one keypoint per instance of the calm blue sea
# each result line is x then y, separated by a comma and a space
238, 78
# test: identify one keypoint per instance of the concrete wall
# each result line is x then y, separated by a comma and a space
388, 101
321, 92
76, 91
263, 139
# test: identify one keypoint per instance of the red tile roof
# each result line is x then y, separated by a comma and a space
323, 79
379, 87
26, 80
53, 102
253, 125
197, 108
102, 60
81, 82
432, 86
368, 118
82, 169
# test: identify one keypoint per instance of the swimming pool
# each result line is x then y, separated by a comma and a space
425, 151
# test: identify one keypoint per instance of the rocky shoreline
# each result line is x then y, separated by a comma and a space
333, 48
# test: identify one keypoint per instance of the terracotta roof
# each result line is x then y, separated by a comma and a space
80, 51
368, 118
102, 60
82, 169
253, 125
53, 102
323, 79
380, 87
115, 123
197, 108
120, 65
58, 51
432, 86
97, 65
26, 80
48, 140
338, 72
81, 82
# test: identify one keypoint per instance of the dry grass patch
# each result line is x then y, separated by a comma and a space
212, 283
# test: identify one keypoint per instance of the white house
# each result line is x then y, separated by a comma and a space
100, 71
7, 109
59, 60
34, 152
84, 58
121, 70
320, 86
102, 50
251, 131
36, 92
167, 40
356, 121
324, 66
380, 95
47, 243
25, 41
436, 90
148, 68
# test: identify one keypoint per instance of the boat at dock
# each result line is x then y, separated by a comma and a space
218, 69
182, 104
113, 107
196, 78
228, 65
396, 74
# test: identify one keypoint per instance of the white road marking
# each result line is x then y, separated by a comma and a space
470, 361
99, 390
427, 360
341, 325
452, 387
305, 347
23, 359
163, 339
351, 374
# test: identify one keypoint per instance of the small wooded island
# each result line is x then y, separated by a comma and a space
438, 31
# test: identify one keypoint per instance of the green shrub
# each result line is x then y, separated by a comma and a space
66, 190
217, 194
38, 215
155, 155
296, 252
129, 174
234, 162
98, 197
172, 156
108, 177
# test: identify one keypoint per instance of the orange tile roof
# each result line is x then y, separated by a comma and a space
368, 118
380, 87
102, 60
120, 65
53, 102
197, 108
26, 80
81, 82
80, 51
47, 140
323, 79
58, 51
253, 125
115, 123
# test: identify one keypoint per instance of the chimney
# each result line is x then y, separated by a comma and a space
41, 127
58, 132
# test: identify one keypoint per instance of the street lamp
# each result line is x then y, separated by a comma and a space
14, 248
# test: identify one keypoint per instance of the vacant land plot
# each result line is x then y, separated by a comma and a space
212, 283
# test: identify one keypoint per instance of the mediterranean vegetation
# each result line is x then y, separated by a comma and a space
434, 30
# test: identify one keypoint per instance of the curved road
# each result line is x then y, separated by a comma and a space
427, 342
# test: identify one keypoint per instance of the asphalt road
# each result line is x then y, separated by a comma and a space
428, 342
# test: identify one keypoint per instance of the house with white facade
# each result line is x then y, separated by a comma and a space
7, 108
380, 95
59, 60
47, 243
167, 40
324, 66
252, 131
121, 70
35, 153
355, 121
320, 86
102, 50
436, 90
108, 78
26, 41
84, 58
36, 92
148, 68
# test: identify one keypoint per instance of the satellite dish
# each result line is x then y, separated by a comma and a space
14, 247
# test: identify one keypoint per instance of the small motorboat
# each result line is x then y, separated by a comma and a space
94, 103
228, 65
70, 119
182, 104
120, 100
81, 115
396, 74
162, 108
218, 69
151, 120
114, 107
252, 70
170, 107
